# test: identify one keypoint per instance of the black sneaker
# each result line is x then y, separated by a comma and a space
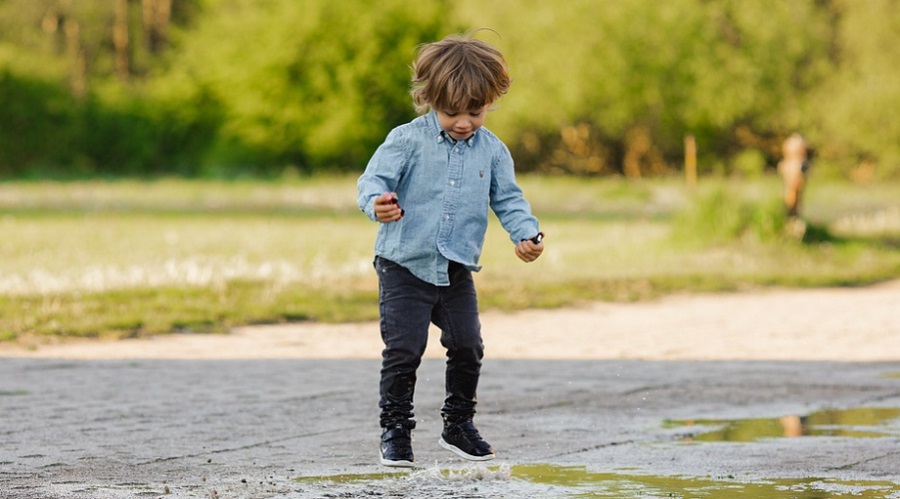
464, 440
396, 446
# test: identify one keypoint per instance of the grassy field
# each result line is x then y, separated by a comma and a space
129, 258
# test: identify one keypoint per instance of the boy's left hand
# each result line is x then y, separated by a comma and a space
529, 251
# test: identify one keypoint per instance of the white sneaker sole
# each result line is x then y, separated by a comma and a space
397, 464
459, 452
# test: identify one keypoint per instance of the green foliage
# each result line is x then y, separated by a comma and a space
857, 116
239, 87
44, 118
630, 70
57, 134
64, 110
723, 215
310, 84
749, 163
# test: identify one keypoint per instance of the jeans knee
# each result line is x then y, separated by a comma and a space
467, 354
401, 360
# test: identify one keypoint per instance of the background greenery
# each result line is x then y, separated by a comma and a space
226, 88
190, 165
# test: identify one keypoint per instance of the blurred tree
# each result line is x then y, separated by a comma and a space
223, 87
636, 76
309, 84
37, 124
96, 40
120, 40
856, 109
156, 16
54, 50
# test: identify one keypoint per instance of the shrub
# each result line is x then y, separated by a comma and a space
723, 215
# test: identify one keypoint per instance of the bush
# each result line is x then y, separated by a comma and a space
111, 133
723, 215
39, 122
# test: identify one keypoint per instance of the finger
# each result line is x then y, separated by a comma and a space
519, 253
523, 253
530, 248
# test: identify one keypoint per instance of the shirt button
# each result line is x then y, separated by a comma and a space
452, 182
447, 216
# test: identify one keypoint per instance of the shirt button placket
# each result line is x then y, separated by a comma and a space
451, 199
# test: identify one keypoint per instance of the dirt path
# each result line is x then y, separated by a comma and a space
858, 324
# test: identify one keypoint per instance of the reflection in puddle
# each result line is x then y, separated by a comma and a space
614, 485
551, 481
856, 423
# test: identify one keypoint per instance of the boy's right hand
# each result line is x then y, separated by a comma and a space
387, 208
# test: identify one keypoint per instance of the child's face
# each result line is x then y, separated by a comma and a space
462, 124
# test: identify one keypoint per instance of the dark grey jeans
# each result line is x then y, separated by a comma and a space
407, 306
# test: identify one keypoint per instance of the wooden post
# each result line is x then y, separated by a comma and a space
690, 159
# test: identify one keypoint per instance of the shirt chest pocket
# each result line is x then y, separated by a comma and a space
476, 186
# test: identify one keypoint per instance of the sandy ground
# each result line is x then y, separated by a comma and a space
841, 324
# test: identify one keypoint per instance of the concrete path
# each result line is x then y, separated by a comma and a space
610, 428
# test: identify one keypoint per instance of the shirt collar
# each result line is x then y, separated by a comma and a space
441, 135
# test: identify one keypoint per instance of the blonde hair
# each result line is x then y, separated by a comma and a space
458, 73
794, 147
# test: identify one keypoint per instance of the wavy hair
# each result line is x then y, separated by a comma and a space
458, 73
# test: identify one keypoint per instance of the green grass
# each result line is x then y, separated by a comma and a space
130, 258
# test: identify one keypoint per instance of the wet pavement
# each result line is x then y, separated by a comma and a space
305, 429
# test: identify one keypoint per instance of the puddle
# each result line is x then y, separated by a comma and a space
544, 481
864, 422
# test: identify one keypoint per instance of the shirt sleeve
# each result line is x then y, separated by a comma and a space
508, 201
383, 172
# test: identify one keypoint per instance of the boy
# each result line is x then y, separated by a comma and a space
430, 185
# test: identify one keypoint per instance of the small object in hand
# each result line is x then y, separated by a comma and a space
395, 201
537, 239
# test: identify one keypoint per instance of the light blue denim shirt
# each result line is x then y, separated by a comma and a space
445, 187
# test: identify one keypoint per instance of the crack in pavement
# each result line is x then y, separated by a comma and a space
588, 449
850, 466
243, 447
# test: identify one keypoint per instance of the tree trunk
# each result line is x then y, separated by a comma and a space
120, 40
75, 54
156, 15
